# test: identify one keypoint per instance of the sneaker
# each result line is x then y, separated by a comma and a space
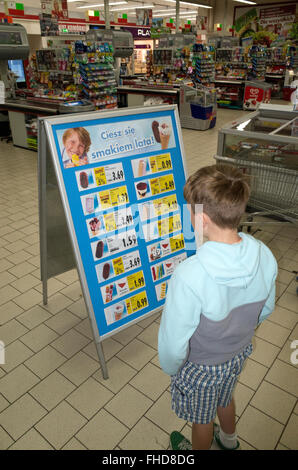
218, 441
179, 442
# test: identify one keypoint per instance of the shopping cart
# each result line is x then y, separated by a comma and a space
274, 192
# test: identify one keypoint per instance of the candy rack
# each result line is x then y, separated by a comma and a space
95, 65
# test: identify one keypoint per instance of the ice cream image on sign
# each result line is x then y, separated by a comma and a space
165, 134
162, 133
142, 188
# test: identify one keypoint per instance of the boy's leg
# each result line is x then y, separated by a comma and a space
226, 436
202, 436
227, 417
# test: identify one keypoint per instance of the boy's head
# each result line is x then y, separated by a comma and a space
76, 141
223, 191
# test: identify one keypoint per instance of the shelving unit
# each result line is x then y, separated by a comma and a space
95, 66
203, 64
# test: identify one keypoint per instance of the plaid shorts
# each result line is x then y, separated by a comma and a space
197, 390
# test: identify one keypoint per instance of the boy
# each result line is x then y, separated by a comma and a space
215, 300
76, 143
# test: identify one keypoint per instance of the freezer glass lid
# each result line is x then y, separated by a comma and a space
264, 125
290, 129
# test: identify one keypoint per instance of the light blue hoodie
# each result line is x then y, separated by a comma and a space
215, 300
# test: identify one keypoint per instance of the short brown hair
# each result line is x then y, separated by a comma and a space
84, 136
223, 190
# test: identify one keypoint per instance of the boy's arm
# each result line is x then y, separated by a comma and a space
180, 318
270, 302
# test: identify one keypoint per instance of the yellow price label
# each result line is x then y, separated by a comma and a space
100, 176
136, 280
118, 266
164, 162
176, 223
105, 199
169, 225
177, 243
119, 196
165, 205
154, 185
128, 306
153, 165
160, 163
110, 222
139, 301
166, 183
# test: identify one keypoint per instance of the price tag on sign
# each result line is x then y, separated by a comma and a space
177, 243
117, 175
105, 200
160, 163
136, 280
119, 196
118, 266
164, 162
100, 176
154, 185
110, 223
134, 262
139, 301
129, 241
169, 225
166, 183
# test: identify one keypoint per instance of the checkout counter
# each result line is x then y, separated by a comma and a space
23, 115
145, 95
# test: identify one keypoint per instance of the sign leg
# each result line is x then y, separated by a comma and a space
102, 361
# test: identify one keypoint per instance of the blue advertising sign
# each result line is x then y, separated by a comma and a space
121, 176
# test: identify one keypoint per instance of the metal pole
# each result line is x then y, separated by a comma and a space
42, 178
177, 15
107, 14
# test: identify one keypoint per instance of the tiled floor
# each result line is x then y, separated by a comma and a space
52, 394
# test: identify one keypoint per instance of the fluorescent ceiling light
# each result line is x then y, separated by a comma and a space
245, 1
195, 5
174, 11
102, 4
132, 8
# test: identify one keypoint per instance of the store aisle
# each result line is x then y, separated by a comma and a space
52, 394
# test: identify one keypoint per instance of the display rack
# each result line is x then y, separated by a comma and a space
257, 70
54, 73
203, 64
172, 58
230, 64
95, 65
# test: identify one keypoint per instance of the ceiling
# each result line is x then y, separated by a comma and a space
158, 4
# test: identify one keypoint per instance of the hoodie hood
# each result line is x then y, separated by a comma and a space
232, 265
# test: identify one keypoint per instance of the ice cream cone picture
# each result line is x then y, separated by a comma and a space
162, 133
165, 134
